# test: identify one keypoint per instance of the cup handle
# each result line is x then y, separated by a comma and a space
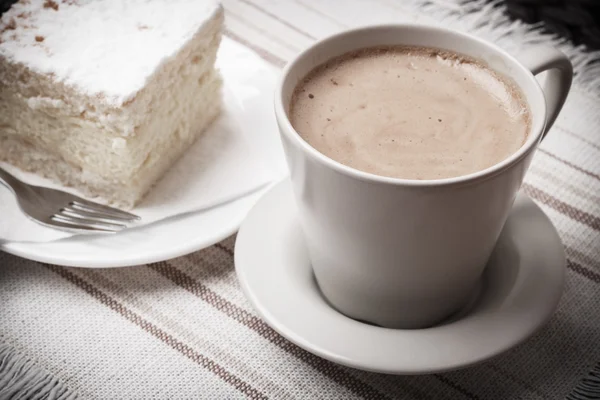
558, 82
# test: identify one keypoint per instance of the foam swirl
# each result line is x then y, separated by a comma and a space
410, 113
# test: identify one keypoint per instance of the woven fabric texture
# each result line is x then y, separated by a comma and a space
182, 329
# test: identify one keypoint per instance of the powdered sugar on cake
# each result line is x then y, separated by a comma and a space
106, 95
106, 48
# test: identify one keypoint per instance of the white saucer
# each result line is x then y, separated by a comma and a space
519, 292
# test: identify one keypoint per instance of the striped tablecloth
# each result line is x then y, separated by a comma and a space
182, 329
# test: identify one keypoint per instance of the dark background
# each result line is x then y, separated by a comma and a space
576, 20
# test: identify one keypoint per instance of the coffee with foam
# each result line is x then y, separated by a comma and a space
410, 112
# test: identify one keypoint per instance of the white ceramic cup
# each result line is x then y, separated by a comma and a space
406, 253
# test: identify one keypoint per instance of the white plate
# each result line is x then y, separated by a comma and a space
163, 240
519, 292
185, 233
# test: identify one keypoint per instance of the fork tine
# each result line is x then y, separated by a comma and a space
84, 222
86, 205
91, 218
60, 223
96, 215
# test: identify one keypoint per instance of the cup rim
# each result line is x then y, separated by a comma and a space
288, 130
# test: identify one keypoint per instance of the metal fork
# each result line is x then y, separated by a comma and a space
61, 210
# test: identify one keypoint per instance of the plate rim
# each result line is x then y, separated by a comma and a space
22, 249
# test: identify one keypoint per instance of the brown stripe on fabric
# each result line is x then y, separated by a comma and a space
276, 18
207, 268
126, 288
155, 331
225, 249
332, 371
573, 253
565, 184
575, 135
210, 265
570, 164
264, 54
562, 207
581, 270
230, 241
456, 386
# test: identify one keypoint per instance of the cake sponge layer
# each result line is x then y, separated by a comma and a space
122, 188
108, 145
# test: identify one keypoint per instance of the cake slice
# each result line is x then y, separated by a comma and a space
105, 95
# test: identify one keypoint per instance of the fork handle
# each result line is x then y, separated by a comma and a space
9, 181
